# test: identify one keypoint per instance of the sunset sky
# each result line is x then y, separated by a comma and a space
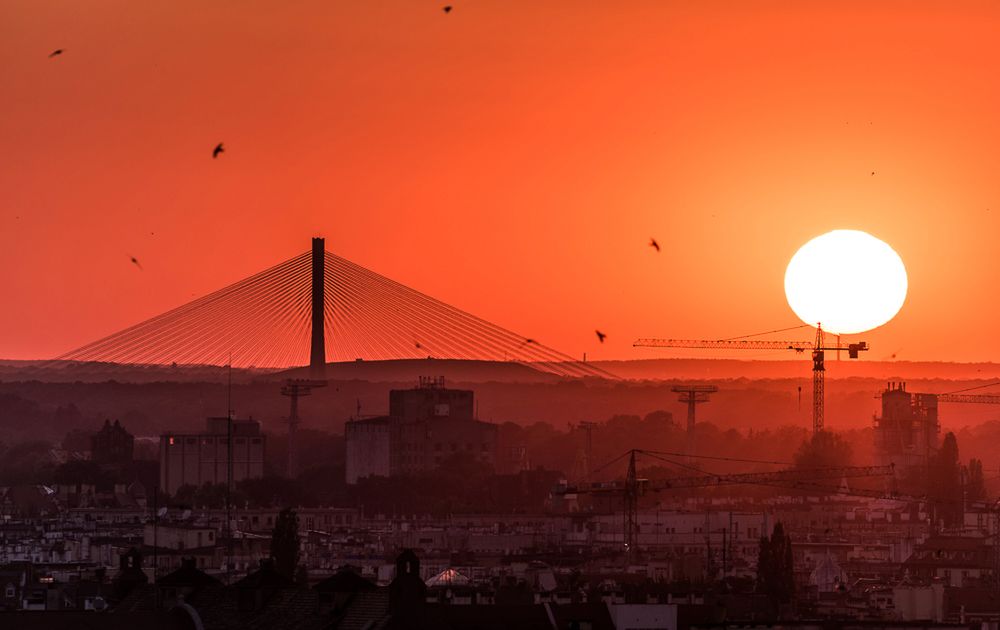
510, 158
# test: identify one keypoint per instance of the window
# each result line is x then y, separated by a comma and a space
170, 441
10, 592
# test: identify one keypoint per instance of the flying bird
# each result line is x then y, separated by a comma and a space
447, 8
654, 244
217, 150
600, 336
135, 261
55, 53
873, 172
527, 341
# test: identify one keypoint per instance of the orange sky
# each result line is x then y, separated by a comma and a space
510, 158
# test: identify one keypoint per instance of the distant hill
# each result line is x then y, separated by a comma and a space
399, 371
711, 369
410, 370
96, 372
457, 370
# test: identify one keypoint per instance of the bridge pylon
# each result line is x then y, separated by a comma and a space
317, 355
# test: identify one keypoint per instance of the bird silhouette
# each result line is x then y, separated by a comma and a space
528, 340
135, 261
654, 244
600, 336
447, 8
55, 53
217, 150
873, 172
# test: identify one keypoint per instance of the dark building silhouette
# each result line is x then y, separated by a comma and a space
130, 574
907, 433
425, 426
407, 591
112, 445
199, 458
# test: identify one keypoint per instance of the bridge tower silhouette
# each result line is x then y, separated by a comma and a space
317, 350
314, 308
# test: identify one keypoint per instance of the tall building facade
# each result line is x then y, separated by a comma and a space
199, 458
908, 432
425, 426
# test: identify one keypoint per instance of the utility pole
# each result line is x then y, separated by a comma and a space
587, 448
294, 388
631, 509
229, 475
156, 545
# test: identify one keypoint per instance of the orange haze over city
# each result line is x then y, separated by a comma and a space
512, 159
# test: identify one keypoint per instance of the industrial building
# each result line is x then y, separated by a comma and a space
199, 458
907, 433
425, 426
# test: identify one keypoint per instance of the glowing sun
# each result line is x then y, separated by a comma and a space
847, 280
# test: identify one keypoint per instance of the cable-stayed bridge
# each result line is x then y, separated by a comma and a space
317, 307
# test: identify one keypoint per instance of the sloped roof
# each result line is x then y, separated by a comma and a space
448, 577
188, 575
344, 581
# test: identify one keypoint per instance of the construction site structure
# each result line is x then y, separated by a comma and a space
908, 432
633, 487
818, 348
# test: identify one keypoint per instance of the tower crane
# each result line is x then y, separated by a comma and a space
633, 486
818, 348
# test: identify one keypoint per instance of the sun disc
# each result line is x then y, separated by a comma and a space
847, 280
